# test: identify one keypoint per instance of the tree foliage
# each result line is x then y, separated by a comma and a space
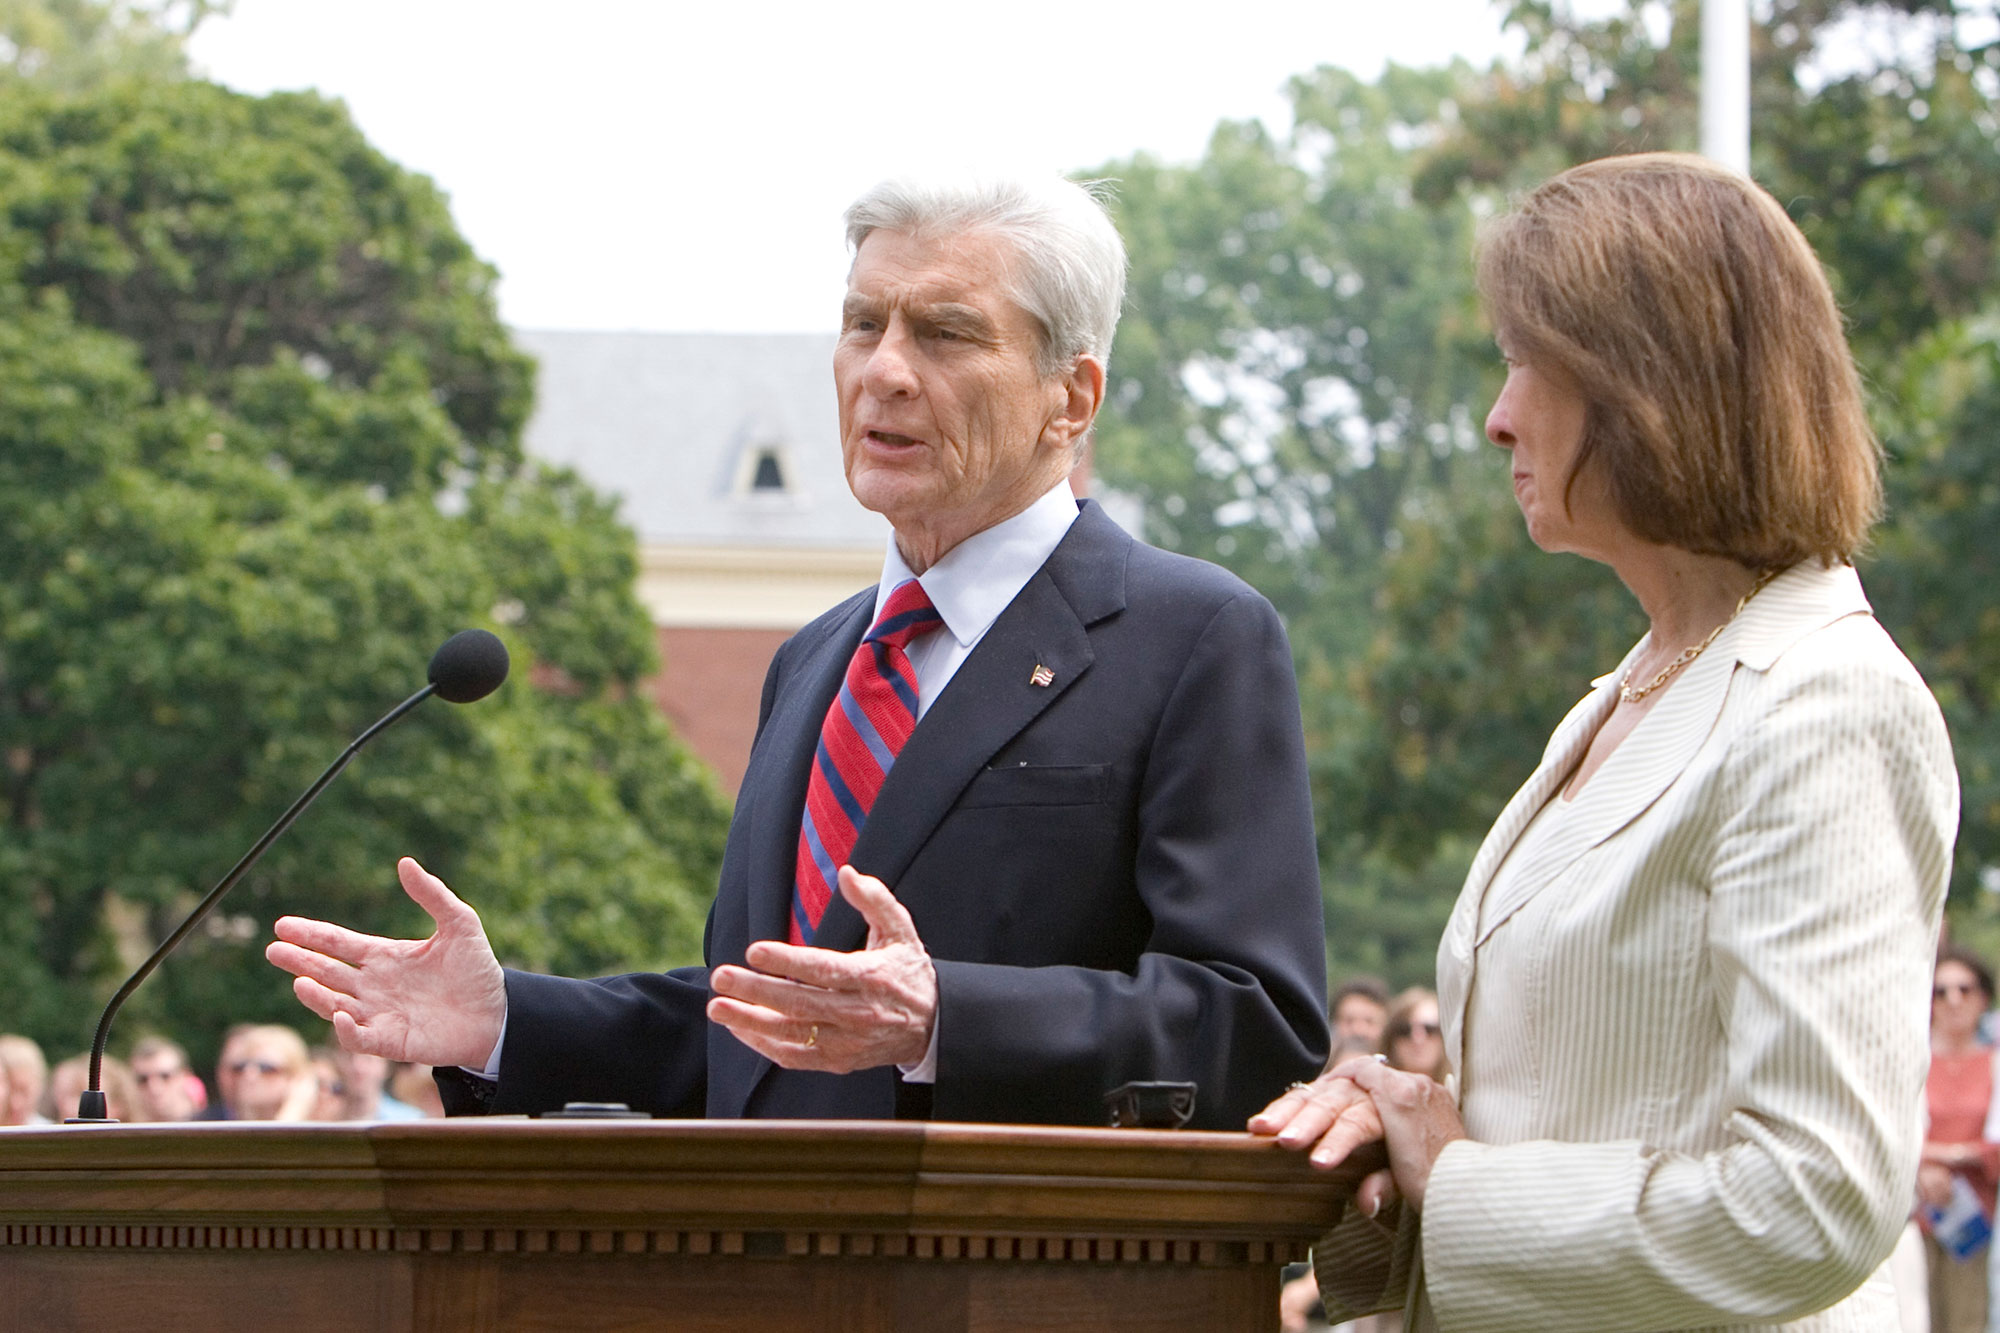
78, 44
1300, 380
259, 454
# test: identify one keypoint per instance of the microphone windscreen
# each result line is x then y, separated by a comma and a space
470, 665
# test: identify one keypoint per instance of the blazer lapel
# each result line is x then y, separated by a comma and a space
1565, 750
773, 799
791, 737
991, 698
1797, 602
1802, 599
1645, 763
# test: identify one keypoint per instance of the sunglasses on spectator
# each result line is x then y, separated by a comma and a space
159, 1075
1951, 990
241, 1067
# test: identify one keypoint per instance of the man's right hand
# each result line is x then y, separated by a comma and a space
440, 1001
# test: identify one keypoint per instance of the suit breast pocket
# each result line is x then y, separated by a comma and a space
1038, 784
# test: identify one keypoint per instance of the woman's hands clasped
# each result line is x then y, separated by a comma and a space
1360, 1101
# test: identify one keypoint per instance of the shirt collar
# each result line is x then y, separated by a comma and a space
977, 578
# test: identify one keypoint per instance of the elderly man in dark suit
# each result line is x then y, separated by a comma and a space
1025, 822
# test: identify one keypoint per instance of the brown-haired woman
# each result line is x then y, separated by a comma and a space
1685, 988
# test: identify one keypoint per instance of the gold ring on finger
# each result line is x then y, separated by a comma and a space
812, 1036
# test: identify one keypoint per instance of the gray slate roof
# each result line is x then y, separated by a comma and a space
666, 421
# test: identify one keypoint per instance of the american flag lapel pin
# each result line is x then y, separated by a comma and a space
1041, 676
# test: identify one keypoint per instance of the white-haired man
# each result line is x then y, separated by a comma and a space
1025, 822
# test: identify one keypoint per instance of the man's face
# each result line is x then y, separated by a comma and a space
1359, 1016
260, 1077
946, 425
162, 1080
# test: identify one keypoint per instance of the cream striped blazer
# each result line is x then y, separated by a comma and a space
1692, 1038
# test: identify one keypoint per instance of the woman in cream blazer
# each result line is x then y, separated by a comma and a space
1686, 985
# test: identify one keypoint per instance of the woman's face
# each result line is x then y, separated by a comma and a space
1956, 1001
1539, 419
1419, 1050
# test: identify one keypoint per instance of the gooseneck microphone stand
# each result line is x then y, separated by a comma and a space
469, 666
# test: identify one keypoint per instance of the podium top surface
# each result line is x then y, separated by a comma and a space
904, 1177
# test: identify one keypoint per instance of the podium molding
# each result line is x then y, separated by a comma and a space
689, 1225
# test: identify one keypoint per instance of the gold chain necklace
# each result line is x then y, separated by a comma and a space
1631, 696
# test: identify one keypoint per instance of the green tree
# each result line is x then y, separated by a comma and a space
79, 44
1299, 383
259, 454
1298, 392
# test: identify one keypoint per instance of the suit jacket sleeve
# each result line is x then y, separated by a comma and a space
1825, 883
1229, 992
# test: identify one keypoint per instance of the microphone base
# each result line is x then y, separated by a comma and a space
90, 1120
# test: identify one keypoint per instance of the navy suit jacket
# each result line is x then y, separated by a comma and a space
1114, 873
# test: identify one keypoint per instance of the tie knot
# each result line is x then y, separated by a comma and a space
906, 614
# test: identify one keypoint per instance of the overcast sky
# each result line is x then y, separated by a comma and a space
651, 164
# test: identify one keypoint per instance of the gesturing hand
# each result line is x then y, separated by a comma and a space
806, 1008
440, 1001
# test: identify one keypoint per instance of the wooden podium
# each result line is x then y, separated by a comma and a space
641, 1224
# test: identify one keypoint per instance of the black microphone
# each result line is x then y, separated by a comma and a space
470, 665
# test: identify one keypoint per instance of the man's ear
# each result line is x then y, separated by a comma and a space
1080, 391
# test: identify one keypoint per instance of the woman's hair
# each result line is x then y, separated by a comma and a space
1972, 963
1687, 309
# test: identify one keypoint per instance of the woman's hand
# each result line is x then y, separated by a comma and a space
1357, 1102
1934, 1184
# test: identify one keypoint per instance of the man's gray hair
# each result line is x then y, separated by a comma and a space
1068, 268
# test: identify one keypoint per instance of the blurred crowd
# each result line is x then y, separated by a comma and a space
265, 1072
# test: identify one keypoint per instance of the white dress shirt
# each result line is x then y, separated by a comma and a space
974, 582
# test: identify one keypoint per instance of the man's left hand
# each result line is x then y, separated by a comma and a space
806, 1008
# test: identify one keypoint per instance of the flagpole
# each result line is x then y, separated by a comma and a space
1725, 83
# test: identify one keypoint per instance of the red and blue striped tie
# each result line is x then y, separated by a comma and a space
871, 718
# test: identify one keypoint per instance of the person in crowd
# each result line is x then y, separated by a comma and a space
1684, 989
264, 1074
1041, 770
366, 1076
168, 1089
1360, 1007
1958, 1095
333, 1098
27, 1078
70, 1077
1412, 1038
414, 1087
225, 1079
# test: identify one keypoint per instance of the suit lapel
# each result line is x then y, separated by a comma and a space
792, 736
990, 699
